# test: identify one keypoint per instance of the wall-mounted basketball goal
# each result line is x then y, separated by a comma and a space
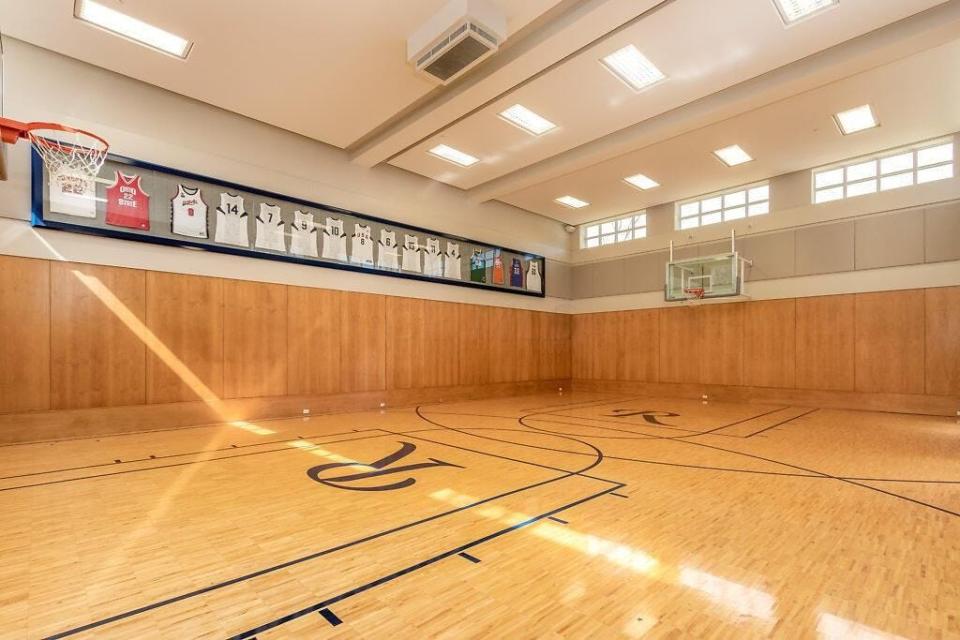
715, 276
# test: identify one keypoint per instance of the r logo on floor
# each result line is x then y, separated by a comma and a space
649, 416
379, 469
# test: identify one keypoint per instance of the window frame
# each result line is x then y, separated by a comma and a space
723, 206
894, 177
602, 233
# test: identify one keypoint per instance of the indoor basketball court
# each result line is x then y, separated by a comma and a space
480, 319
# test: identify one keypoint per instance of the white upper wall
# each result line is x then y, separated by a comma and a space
148, 123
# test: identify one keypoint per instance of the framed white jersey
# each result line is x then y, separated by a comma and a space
451, 261
361, 245
388, 253
73, 195
534, 280
270, 229
334, 240
232, 221
411, 253
432, 258
303, 235
188, 212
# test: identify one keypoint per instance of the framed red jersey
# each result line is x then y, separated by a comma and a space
128, 205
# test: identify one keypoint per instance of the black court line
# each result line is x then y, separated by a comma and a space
246, 635
618, 458
773, 426
533, 464
205, 425
619, 495
558, 520
815, 476
188, 463
585, 403
464, 554
330, 617
633, 434
812, 471
317, 554
179, 455
622, 421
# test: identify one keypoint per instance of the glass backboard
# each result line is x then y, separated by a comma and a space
719, 276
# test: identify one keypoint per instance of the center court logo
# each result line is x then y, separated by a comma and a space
378, 468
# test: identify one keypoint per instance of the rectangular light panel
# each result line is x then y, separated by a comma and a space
455, 156
732, 155
641, 181
527, 120
633, 68
570, 201
857, 119
793, 10
125, 26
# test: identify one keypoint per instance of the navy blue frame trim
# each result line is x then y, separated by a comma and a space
37, 220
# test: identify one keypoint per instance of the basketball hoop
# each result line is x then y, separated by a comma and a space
64, 150
695, 293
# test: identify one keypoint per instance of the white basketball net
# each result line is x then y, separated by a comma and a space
72, 153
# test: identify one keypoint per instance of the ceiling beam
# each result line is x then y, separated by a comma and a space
563, 32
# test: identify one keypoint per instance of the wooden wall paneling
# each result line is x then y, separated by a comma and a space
25, 331
680, 340
185, 315
564, 345
554, 348
825, 342
889, 341
474, 344
581, 330
313, 341
606, 347
442, 344
526, 326
97, 333
254, 339
505, 364
721, 343
362, 342
421, 337
770, 343
639, 337
942, 336
404, 341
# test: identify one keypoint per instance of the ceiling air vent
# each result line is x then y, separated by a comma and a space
457, 38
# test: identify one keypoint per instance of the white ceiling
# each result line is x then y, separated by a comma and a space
702, 47
328, 69
910, 98
335, 71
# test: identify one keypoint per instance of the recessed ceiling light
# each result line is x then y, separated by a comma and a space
527, 120
127, 27
857, 119
732, 155
570, 201
793, 10
455, 156
642, 182
633, 67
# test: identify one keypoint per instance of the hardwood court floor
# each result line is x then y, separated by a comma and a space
575, 516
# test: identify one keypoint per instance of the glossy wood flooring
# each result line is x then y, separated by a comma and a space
573, 516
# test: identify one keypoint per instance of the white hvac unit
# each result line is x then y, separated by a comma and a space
457, 38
